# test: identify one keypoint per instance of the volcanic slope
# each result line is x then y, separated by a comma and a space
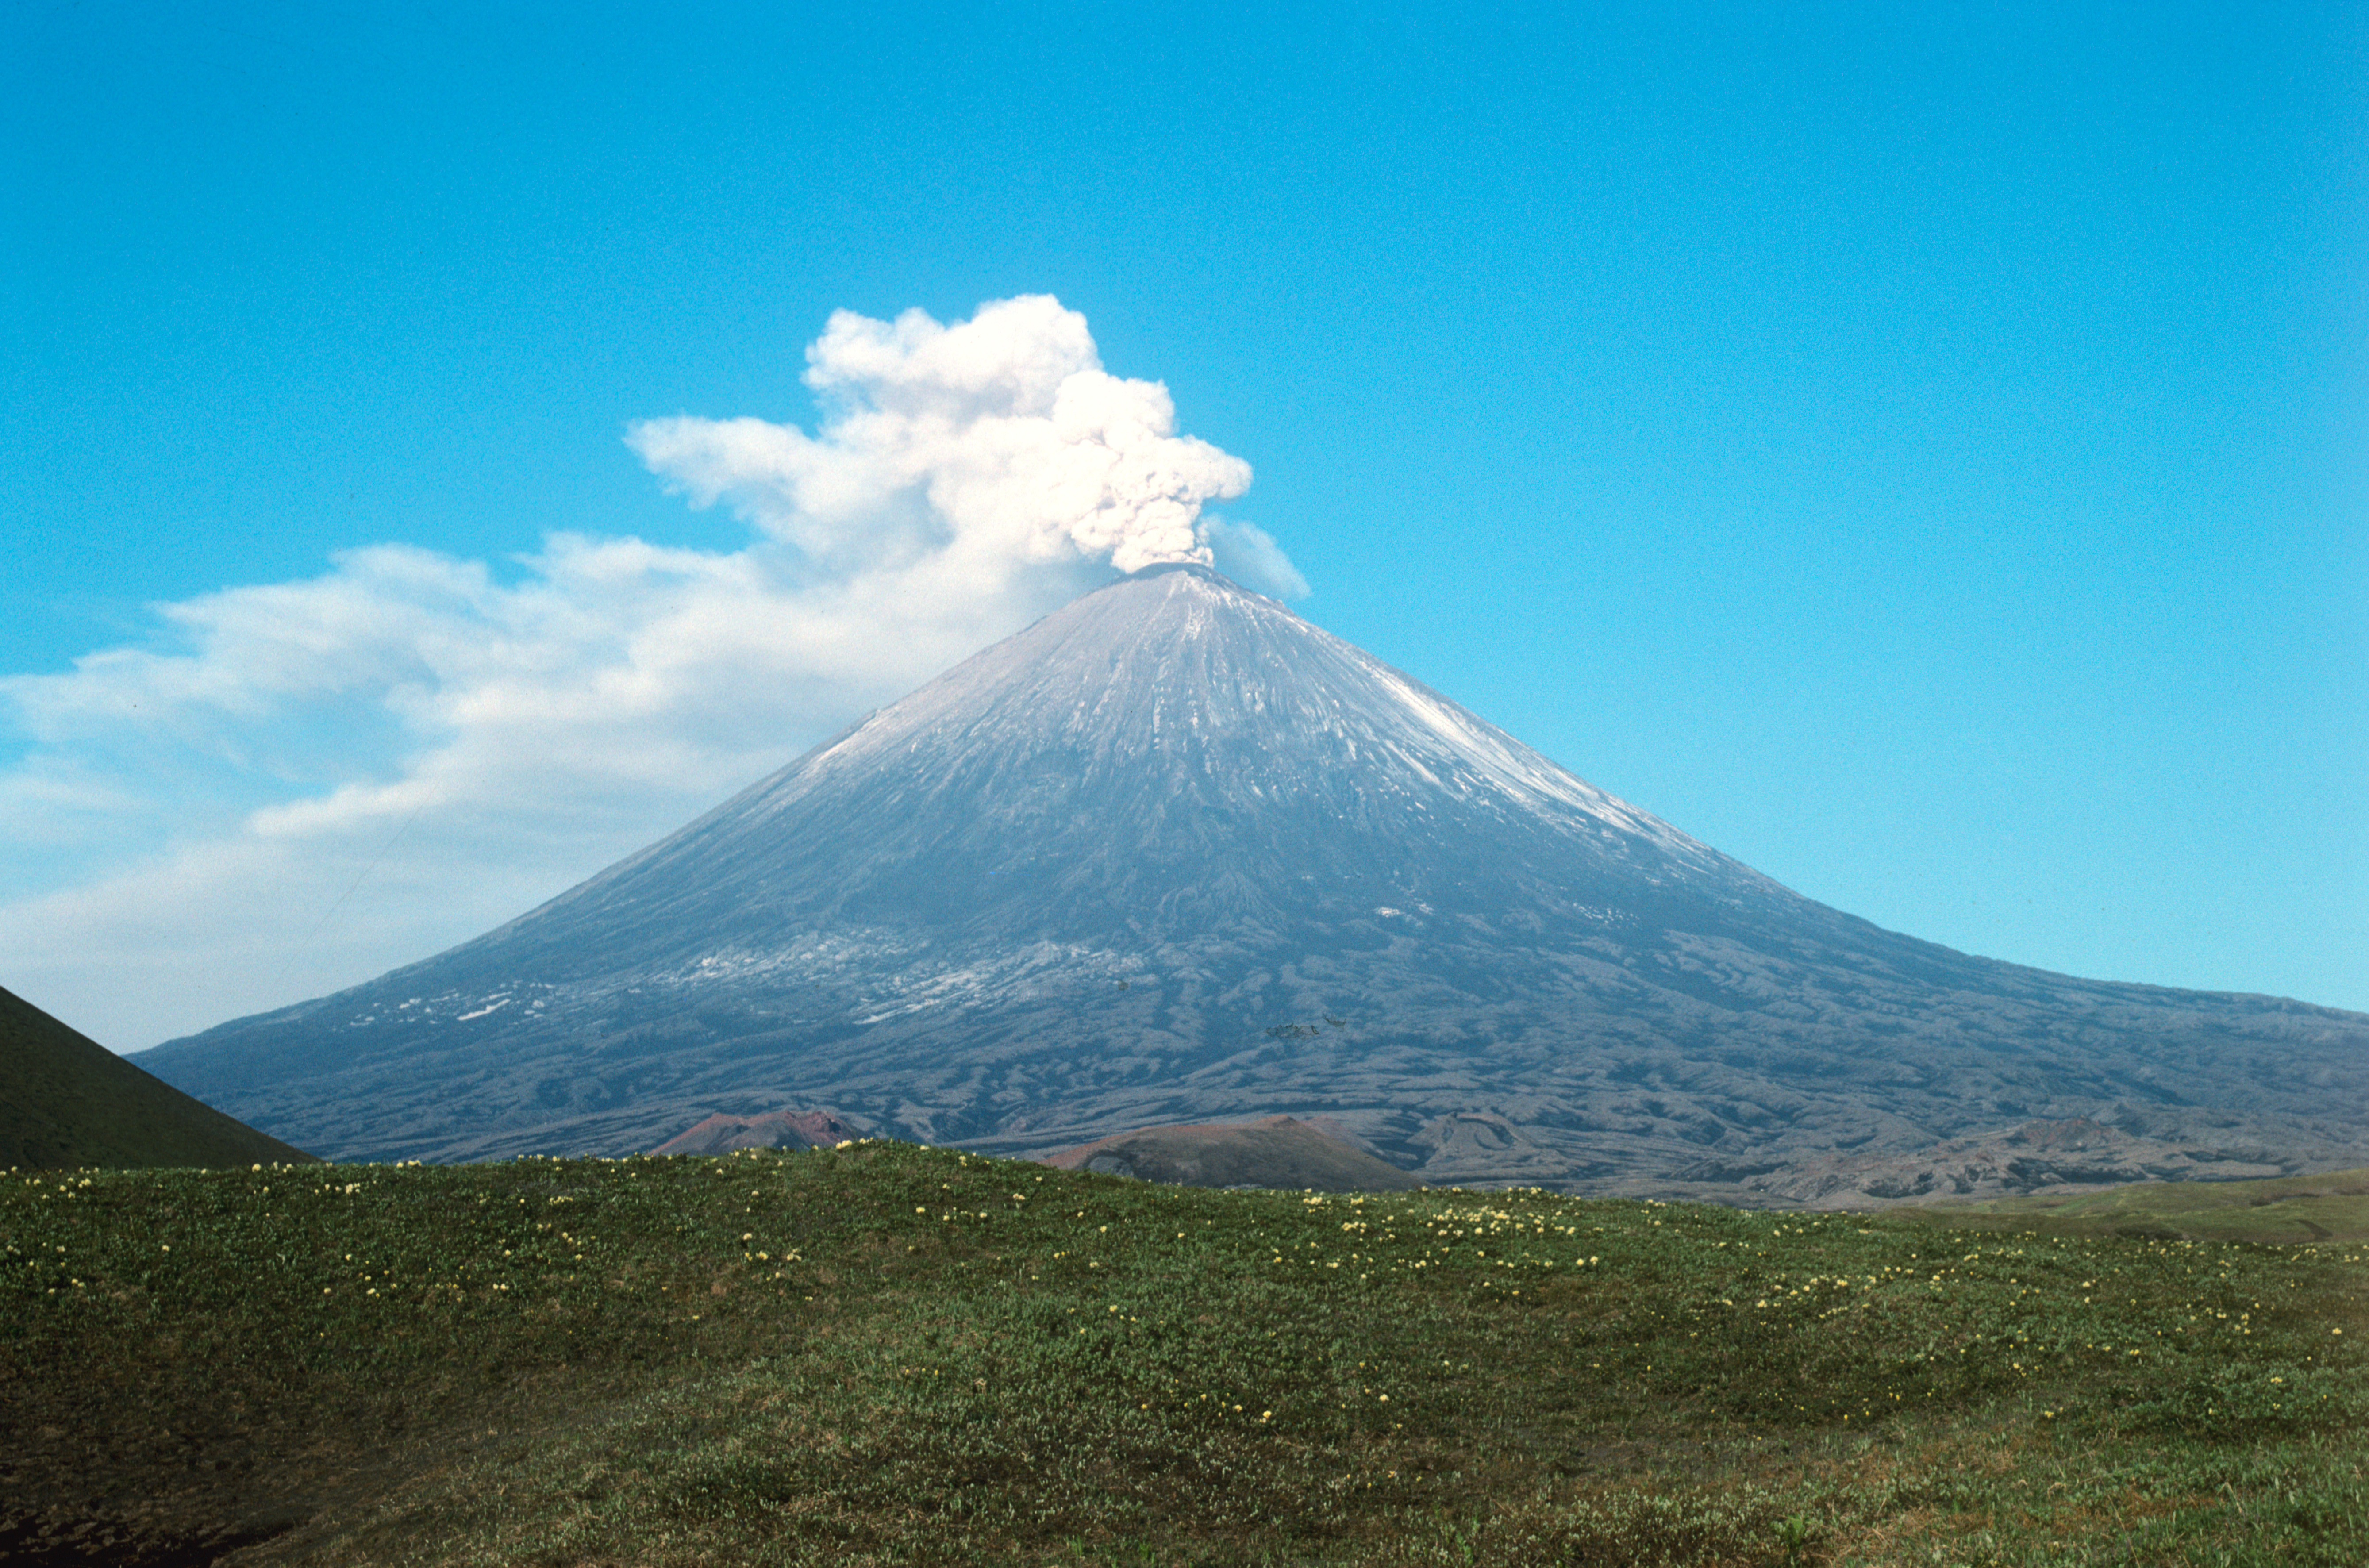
1173, 855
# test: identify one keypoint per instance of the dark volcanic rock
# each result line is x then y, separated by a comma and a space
1173, 855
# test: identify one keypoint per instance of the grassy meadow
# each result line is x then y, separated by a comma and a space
2320, 1210
885, 1354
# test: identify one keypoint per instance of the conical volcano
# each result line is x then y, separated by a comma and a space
1174, 855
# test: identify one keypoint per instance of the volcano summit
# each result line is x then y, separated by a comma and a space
1173, 854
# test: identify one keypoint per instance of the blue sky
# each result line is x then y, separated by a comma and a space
1919, 451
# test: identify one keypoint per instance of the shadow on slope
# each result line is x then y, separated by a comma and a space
66, 1101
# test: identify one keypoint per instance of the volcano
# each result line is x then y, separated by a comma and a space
1173, 855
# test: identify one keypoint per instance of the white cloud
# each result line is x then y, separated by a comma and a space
315, 781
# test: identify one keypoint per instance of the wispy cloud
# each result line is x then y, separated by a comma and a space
308, 783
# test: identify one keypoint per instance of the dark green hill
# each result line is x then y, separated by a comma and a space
65, 1100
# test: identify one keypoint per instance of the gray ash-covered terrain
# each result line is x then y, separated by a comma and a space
1174, 855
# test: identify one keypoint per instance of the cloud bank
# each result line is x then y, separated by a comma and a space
308, 783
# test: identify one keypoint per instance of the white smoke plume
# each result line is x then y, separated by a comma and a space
1250, 556
309, 782
981, 448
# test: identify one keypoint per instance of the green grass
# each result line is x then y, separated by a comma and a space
885, 1353
2331, 1208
